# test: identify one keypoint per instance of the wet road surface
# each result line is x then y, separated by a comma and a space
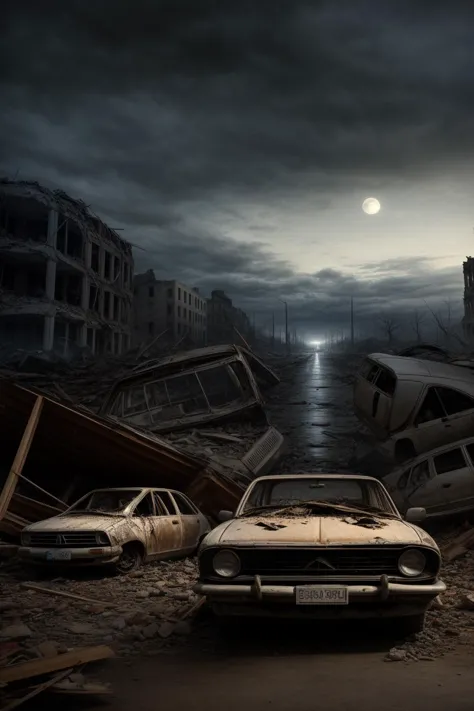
313, 408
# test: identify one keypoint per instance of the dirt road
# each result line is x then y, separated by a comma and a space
293, 681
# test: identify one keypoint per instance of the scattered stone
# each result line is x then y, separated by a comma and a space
467, 602
119, 624
18, 631
142, 594
82, 628
166, 629
396, 655
150, 631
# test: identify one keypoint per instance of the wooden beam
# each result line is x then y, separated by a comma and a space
38, 689
49, 665
20, 457
71, 596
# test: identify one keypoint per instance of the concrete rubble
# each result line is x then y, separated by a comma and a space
450, 621
153, 610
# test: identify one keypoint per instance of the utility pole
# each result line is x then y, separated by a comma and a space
287, 340
273, 330
352, 321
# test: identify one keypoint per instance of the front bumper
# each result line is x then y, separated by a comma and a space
75, 556
384, 599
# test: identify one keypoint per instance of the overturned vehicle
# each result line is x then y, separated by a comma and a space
189, 389
414, 405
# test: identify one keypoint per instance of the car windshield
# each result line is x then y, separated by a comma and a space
344, 493
106, 501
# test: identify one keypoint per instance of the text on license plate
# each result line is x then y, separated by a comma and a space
322, 595
58, 555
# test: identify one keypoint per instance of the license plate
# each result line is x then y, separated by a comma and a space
322, 595
58, 555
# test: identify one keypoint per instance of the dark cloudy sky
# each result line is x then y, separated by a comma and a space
234, 142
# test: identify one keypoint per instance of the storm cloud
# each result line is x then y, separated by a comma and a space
182, 123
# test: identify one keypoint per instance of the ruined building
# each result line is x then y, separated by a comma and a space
65, 277
168, 306
468, 320
223, 318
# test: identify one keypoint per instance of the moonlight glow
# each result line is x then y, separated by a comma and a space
371, 206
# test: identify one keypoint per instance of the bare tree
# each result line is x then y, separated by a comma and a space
416, 324
445, 327
389, 326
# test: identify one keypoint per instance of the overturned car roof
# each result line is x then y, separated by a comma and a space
199, 356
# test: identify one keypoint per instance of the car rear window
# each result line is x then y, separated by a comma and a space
381, 377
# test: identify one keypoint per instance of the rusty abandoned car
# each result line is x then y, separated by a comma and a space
327, 546
414, 405
117, 527
441, 481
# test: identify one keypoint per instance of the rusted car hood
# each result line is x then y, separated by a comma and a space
319, 530
88, 522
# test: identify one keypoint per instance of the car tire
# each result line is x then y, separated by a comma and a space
130, 559
411, 625
404, 449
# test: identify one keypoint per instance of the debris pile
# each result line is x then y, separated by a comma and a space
150, 610
28, 671
450, 621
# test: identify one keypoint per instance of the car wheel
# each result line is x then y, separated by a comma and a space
130, 560
411, 625
404, 450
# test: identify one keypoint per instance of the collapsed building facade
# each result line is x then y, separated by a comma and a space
168, 307
468, 320
223, 319
65, 276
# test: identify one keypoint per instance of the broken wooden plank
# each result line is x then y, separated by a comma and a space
71, 596
20, 456
87, 688
37, 690
48, 665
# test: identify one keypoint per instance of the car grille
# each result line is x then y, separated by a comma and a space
324, 562
311, 563
68, 539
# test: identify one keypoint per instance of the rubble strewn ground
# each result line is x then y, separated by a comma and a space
147, 611
144, 611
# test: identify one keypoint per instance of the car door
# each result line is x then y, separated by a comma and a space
429, 428
450, 486
459, 408
396, 485
412, 485
170, 525
191, 521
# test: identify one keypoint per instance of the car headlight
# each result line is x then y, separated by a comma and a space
412, 562
226, 564
102, 538
25, 539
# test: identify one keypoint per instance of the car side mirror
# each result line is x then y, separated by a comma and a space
415, 515
224, 516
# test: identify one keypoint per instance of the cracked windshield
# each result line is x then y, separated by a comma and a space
318, 493
105, 502
237, 282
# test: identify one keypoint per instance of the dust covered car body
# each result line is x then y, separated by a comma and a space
320, 545
120, 527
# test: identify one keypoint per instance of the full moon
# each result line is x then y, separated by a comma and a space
371, 206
